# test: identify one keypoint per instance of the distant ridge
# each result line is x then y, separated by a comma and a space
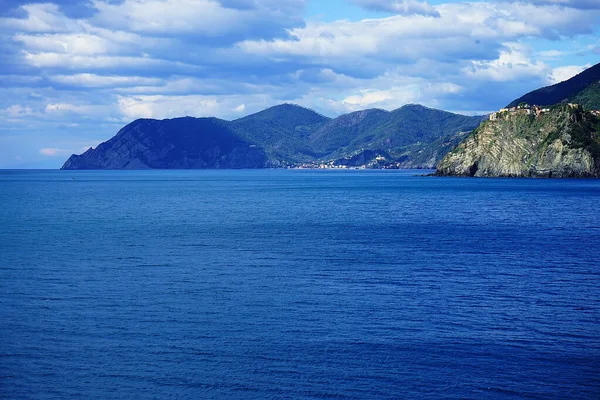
286, 135
583, 89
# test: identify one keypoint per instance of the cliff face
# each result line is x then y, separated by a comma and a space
564, 142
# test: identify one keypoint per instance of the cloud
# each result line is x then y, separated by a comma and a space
367, 98
513, 63
166, 106
155, 35
208, 18
551, 54
561, 74
581, 4
388, 91
472, 31
177, 16
19, 111
81, 44
77, 62
282, 6
52, 152
62, 107
78, 112
97, 81
163, 106
403, 7
44, 17
19, 80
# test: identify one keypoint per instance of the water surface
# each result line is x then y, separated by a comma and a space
297, 284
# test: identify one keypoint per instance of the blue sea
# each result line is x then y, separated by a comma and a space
297, 284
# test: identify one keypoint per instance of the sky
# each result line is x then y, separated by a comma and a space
72, 73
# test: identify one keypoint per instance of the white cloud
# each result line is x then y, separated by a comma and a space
62, 107
389, 91
18, 110
44, 17
204, 17
463, 31
85, 111
93, 80
241, 108
162, 106
551, 54
562, 74
80, 44
51, 152
68, 61
367, 97
188, 85
513, 63
19, 80
582, 4
176, 16
404, 7
167, 106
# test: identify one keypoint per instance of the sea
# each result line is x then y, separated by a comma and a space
297, 284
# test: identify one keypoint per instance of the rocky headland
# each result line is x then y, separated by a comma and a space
560, 141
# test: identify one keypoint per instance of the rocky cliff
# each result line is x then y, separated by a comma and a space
563, 142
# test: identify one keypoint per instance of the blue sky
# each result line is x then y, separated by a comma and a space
73, 73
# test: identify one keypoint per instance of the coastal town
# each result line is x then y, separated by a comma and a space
526, 109
362, 160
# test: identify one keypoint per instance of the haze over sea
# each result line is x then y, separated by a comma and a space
297, 284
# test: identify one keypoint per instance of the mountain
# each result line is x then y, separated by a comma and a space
405, 134
284, 135
343, 131
561, 142
180, 143
282, 130
583, 89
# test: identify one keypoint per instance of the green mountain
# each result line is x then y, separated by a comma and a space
179, 143
562, 142
285, 135
405, 134
583, 89
282, 130
346, 130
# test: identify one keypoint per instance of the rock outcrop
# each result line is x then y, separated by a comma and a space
563, 142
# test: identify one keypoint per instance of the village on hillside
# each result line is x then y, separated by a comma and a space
526, 109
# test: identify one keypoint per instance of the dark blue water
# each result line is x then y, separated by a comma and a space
298, 285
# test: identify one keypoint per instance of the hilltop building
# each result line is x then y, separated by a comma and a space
524, 109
